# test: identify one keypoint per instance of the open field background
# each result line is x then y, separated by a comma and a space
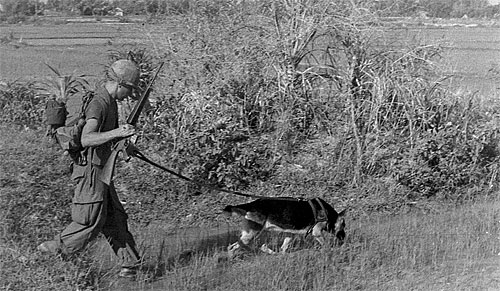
471, 53
395, 242
79, 48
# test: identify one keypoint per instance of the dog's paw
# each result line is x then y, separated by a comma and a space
237, 251
232, 249
267, 250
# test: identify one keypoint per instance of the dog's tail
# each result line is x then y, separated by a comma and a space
229, 210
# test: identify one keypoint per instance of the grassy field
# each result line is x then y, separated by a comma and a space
429, 247
456, 250
74, 48
472, 54
452, 248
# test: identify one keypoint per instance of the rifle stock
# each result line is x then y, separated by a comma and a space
122, 144
109, 168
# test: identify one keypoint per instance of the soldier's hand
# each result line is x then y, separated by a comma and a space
125, 130
130, 150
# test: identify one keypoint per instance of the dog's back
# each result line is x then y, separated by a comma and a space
285, 213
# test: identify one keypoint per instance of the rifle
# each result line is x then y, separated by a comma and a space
122, 144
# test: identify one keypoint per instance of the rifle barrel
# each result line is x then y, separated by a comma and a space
106, 175
136, 112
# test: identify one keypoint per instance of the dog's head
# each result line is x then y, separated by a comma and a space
336, 225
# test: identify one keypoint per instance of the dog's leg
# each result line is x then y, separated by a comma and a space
285, 245
317, 232
249, 231
231, 249
242, 243
267, 250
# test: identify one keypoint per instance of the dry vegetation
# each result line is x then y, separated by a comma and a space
284, 100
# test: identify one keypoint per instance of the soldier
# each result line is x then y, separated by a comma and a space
96, 207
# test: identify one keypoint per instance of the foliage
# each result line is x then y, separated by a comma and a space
237, 98
213, 98
143, 7
433, 167
21, 103
142, 57
15, 11
462, 151
21, 7
246, 90
61, 87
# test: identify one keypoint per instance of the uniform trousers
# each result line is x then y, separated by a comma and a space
97, 209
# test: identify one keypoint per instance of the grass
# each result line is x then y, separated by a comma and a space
73, 48
454, 249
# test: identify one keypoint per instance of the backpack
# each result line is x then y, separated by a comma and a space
66, 122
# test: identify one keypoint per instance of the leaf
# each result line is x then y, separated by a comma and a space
53, 70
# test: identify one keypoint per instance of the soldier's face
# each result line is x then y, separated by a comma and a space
123, 91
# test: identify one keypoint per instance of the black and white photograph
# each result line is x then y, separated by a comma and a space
222, 145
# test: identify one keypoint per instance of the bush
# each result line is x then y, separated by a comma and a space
259, 81
243, 91
21, 103
459, 155
21, 7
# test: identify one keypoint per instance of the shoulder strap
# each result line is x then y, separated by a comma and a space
320, 215
89, 95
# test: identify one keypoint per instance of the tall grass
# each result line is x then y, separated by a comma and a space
243, 96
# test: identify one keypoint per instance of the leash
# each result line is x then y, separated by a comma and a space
136, 153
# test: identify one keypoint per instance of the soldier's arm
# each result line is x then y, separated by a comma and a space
91, 136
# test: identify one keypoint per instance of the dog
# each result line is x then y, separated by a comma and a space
289, 215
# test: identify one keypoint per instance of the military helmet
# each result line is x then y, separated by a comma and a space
125, 72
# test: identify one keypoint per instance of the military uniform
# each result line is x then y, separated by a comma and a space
96, 207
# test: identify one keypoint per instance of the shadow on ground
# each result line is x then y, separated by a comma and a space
166, 250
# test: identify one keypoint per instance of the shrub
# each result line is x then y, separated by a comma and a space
20, 7
459, 154
245, 89
21, 103
62, 86
282, 77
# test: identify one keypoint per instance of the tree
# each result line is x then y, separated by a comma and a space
20, 7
